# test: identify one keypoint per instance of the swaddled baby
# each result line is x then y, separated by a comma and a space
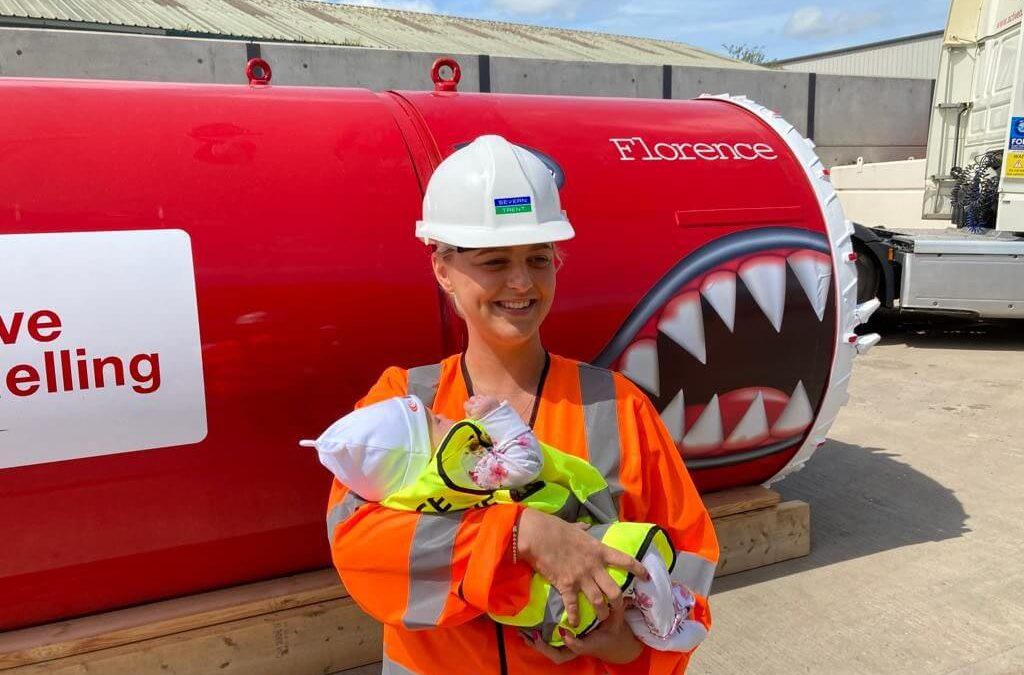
399, 453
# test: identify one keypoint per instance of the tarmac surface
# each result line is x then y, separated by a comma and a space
917, 525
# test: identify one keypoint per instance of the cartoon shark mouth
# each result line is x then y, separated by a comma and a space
734, 345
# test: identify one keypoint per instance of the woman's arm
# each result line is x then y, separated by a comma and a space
424, 570
658, 489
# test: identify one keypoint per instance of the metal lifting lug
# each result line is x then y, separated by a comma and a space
443, 84
258, 72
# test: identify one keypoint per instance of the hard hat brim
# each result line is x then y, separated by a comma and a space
465, 236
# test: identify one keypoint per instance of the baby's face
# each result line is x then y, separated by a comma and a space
439, 426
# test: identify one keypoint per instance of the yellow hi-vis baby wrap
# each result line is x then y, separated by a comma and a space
545, 612
567, 487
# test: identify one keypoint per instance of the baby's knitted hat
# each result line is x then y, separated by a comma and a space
377, 450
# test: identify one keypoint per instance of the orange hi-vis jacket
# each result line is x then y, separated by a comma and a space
431, 578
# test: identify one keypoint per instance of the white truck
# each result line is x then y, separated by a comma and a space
972, 177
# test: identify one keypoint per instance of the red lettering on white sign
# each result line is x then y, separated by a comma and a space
26, 379
1009, 20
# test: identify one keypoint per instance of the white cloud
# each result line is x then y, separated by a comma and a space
565, 8
814, 22
425, 6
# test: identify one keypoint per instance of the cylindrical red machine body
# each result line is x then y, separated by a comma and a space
299, 206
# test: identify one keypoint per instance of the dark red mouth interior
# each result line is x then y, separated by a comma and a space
771, 306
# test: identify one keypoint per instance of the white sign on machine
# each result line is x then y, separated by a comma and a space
99, 345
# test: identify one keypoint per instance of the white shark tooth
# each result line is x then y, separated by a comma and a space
766, 279
752, 427
814, 272
673, 417
864, 310
640, 364
797, 415
719, 288
706, 432
683, 321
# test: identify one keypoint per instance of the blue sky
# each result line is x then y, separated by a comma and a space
783, 27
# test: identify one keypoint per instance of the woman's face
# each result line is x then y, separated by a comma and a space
504, 294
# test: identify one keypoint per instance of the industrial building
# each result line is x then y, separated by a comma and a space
323, 23
914, 56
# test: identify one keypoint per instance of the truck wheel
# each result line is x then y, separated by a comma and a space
867, 275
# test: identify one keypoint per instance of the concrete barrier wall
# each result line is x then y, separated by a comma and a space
848, 117
574, 78
783, 92
27, 52
881, 119
375, 69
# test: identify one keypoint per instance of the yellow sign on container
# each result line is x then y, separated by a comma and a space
1014, 165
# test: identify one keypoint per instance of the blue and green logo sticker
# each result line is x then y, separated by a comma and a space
506, 205
1016, 133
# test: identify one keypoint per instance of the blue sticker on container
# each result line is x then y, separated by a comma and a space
1016, 133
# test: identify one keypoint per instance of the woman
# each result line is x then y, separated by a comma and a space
493, 214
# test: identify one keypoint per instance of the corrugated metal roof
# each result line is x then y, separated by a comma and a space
916, 56
356, 26
867, 45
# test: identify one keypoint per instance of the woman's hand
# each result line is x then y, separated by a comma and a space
574, 562
557, 655
611, 642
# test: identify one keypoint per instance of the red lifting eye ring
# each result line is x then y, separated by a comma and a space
441, 84
260, 65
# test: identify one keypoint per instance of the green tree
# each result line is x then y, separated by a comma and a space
749, 53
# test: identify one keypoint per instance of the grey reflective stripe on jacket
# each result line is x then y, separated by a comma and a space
430, 568
389, 667
598, 531
570, 509
602, 506
694, 571
433, 543
553, 610
423, 382
597, 387
340, 512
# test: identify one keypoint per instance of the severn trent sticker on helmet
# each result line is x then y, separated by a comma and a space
99, 345
506, 205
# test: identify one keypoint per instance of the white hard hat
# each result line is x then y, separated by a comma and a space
492, 193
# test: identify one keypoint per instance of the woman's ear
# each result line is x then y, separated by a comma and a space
441, 273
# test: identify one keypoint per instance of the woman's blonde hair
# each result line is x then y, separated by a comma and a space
445, 251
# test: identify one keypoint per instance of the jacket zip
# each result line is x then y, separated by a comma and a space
502, 662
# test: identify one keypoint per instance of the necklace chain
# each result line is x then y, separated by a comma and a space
525, 411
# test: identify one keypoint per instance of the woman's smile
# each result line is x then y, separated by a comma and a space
515, 307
